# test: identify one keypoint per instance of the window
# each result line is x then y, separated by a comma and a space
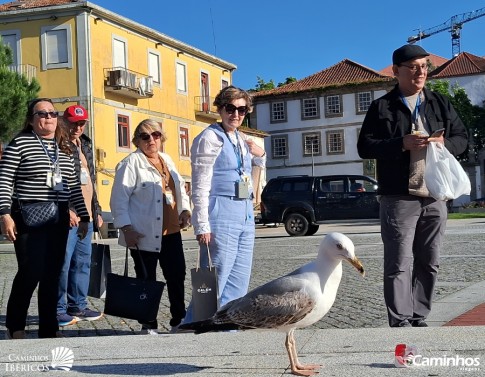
363, 100
181, 78
331, 185
279, 146
335, 142
333, 106
309, 108
311, 144
278, 112
11, 38
154, 66
224, 84
120, 58
296, 186
56, 47
123, 131
184, 141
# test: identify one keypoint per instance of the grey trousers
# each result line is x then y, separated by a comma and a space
412, 230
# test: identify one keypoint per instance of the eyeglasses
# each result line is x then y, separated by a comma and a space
146, 136
231, 109
414, 68
44, 114
80, 123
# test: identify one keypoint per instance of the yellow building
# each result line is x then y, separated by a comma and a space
121, 71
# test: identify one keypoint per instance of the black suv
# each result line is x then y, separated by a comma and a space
301, 202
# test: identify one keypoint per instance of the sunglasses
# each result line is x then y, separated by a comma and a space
231, 109
44, 114
146, 136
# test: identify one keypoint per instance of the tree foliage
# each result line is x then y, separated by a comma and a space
473, 116
263, 85
15, 93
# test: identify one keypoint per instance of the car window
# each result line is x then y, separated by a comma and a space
296, 186
331, 185
362, 185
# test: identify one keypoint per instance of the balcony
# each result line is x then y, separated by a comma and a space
128, 83
204, 107
26, 70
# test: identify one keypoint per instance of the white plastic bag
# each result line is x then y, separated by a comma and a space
444, 177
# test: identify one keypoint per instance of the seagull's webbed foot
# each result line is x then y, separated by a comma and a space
305, 370
297, 368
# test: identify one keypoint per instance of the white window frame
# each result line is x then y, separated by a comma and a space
17, 58
333, 106
44, 47
181, 77
310, 108
335, 146
128, 115
361, 104
274, 140
277, 112
125, 51
157, 80
224, 83
308, 145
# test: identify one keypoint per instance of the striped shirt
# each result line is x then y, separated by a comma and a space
26, 165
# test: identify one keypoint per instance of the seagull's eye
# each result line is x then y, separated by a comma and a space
339, 246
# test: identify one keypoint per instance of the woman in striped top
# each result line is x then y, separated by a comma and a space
35, 167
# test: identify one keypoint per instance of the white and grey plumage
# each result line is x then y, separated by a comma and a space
293, 301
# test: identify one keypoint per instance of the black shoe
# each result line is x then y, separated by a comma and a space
404, 323
419, 323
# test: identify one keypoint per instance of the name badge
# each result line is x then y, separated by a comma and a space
84, 176
169, 197
57, 184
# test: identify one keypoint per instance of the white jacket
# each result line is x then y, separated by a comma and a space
137, 198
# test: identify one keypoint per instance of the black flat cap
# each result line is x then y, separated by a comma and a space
408, 52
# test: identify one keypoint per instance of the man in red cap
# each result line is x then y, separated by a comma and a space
74, 281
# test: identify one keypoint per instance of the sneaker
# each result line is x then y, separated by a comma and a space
65, 319
20, 334
419, 323
87, 315
149, 332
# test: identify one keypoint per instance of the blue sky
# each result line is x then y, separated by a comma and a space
277, 39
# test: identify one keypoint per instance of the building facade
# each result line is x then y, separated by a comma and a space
121, 71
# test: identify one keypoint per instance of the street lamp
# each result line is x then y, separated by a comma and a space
313, 140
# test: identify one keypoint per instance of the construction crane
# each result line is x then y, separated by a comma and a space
453, 25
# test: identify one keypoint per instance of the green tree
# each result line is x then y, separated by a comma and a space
15, 92
263, 85
473, 116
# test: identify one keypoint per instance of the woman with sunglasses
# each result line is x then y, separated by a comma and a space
222, 194
36, 167
150, 206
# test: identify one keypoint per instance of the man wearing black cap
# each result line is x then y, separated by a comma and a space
396, 132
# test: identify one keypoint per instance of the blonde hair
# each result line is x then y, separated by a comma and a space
153, 125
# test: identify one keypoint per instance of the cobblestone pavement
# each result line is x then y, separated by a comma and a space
359, 300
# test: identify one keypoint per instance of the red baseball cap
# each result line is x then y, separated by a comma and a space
75, 113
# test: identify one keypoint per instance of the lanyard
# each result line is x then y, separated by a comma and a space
53, 159
416, 108
237, 151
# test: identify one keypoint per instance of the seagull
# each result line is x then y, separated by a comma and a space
293, 301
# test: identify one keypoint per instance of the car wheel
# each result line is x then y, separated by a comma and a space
296, 224
312, 229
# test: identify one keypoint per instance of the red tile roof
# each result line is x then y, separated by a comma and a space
435, 60
461, 65
27, 4
342, 73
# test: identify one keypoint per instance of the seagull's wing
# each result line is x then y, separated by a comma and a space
281, 302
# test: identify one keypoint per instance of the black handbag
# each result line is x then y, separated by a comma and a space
99, 270
204, 289
40, 213
133, 298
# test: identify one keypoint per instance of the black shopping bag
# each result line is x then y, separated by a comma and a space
133, 298
204, 289
100, 268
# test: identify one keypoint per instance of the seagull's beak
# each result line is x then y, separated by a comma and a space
357, 264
